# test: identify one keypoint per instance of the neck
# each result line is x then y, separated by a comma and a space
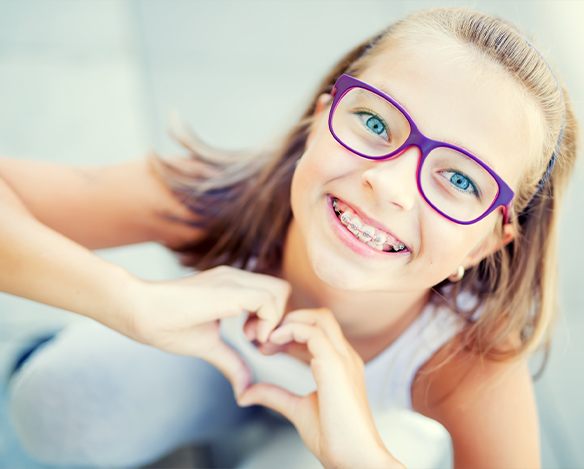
362, 315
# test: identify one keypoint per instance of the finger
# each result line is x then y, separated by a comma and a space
271, 349
262, 304
231, 364
330, 369
273, 397
223, 302
298, 351
317, 343
265, 327
266, 297
279, 287
254, 299
250, 327
301, 411
250, 331
324, 319
280, 290
275, 293
270, 318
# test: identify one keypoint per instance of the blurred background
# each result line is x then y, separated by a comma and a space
96, 82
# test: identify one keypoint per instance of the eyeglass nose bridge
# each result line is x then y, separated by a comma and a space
425, 145
419, 140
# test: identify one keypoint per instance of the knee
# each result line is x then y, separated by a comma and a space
95, 397
60, 424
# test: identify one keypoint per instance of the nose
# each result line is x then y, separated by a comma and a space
394, 180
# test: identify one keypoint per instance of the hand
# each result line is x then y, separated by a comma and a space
335, 421
183, 316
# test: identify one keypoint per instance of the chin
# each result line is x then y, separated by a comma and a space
336, 274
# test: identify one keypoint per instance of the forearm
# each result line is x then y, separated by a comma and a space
40, 264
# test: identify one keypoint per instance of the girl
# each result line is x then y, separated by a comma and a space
413, 210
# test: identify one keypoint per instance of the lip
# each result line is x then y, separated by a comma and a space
369, 221
350, 241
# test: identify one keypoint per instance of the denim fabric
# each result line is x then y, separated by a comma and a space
93, 396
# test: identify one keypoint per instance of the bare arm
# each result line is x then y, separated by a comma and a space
40, 264
180, 316
99, 207
488, 408
52, 214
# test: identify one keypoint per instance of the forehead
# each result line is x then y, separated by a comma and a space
456, 96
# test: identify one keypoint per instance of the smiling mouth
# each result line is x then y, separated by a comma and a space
371, 236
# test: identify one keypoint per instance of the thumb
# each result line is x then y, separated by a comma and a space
230, 363
271, 396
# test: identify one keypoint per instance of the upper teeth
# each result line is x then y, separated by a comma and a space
366, 233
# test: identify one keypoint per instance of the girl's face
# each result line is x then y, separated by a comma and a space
453, 96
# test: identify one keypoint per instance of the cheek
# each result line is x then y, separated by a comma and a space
325, 159
306, 185
446, 245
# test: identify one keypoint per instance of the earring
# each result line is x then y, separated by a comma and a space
459, 274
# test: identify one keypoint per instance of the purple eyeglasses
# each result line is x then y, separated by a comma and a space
454, 182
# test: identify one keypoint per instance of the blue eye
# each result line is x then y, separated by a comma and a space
462, 183
375, 123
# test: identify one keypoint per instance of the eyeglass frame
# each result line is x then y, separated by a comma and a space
505, 194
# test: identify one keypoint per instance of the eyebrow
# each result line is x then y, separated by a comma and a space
453, 141
456, 142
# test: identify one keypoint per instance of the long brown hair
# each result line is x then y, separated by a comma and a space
242, 198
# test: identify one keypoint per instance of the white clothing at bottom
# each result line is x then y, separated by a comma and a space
415, 440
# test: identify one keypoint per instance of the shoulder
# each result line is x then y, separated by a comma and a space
487, 406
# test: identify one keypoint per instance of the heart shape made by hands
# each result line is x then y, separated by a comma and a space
294, 349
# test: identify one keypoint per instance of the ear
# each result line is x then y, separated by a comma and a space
492, 243
321, 102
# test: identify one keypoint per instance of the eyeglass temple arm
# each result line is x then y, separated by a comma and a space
506, 214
